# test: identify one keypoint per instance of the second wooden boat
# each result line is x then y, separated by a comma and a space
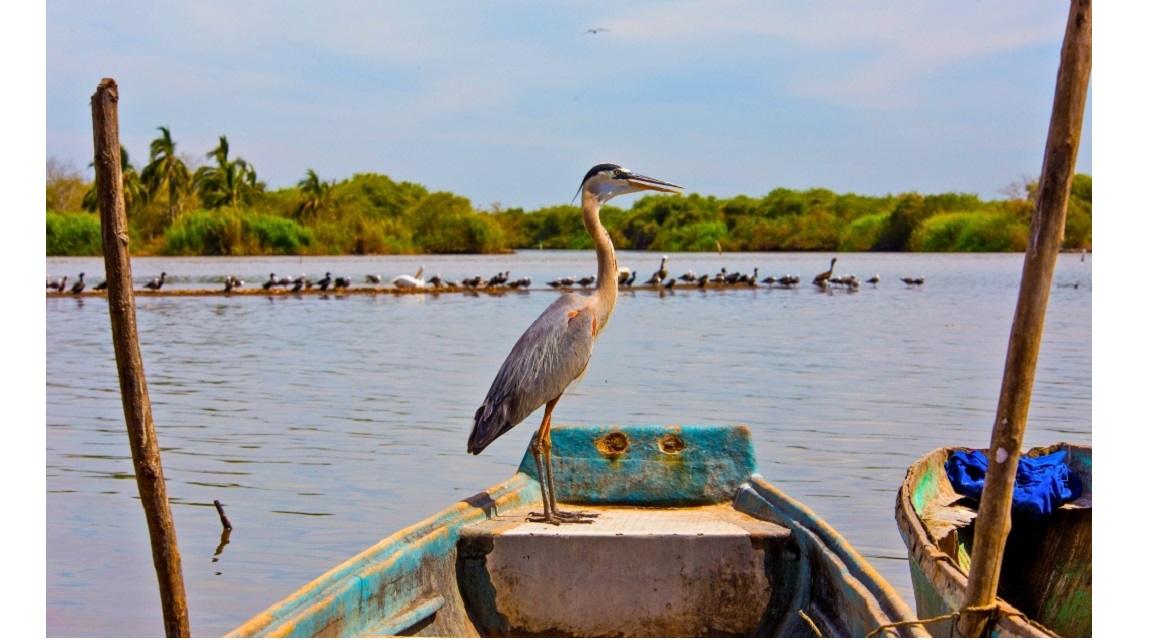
1045, 587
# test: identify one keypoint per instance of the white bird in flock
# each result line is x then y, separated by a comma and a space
410, 282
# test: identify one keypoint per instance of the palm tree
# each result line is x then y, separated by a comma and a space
135, 195
317, 195
165, 169
230, 182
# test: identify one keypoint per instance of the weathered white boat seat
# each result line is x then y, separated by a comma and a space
635, 571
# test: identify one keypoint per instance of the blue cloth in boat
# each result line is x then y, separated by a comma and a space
1042, 483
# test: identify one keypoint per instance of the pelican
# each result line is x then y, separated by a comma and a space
821, 279
661, 273
555, 350
410, 282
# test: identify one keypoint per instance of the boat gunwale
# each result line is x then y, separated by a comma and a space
855, 570
281, 618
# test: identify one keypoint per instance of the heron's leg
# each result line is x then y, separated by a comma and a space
543, 440
564, 516
537, 456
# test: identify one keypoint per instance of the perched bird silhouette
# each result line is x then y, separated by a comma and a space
555, 350
157, 283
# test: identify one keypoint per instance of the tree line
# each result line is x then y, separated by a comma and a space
222, 208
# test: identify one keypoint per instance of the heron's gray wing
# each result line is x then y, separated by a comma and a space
552, 353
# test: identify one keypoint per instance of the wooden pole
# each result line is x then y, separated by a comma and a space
129, 366
994, 518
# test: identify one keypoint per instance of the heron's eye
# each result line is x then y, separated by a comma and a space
617, 173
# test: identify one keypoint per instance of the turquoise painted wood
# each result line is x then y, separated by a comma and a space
651, 465
442, 576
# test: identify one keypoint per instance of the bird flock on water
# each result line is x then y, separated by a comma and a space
626, 277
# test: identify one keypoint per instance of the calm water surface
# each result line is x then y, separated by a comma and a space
326, 423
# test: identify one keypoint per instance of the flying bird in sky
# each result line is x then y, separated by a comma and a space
595, 30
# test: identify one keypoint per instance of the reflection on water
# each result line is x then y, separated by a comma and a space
323, 424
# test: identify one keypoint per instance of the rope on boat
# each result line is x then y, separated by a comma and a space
954, 617
815, 629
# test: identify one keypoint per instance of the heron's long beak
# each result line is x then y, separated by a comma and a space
652, 184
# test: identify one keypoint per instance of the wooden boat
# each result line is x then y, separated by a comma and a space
1045, 587
689, 541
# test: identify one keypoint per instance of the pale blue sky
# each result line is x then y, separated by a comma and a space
513, 101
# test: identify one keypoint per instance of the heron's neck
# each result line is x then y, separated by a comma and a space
607, 270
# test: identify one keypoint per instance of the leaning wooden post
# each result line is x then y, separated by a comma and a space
129, 366
994, 518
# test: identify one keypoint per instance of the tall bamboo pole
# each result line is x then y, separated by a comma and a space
994, 518
129, 366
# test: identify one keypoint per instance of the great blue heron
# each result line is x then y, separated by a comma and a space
556, 348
